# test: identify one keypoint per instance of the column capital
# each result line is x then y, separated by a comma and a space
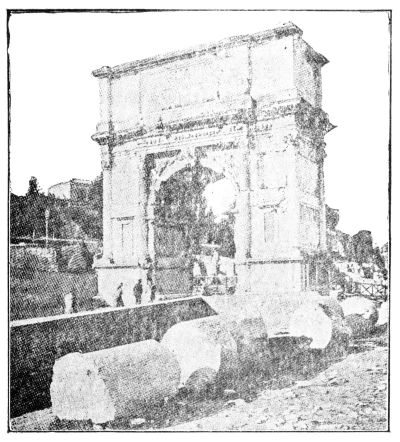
320, 153
106, 159
140, 158
312, 120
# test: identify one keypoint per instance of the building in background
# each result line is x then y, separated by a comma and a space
75, 190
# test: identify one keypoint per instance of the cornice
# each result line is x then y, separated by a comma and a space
312, 121
285, 30
211, 122
314, 56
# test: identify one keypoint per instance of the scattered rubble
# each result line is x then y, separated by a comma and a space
358, 403
215, 361
328, 402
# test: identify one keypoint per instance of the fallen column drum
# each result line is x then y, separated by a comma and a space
113, 383
321, 319
206, 351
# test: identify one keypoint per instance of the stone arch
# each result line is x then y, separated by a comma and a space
169, 168
226, 170
181, 161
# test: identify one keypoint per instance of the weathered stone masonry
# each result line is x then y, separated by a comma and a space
248, 107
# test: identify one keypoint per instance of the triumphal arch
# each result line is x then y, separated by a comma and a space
248, 108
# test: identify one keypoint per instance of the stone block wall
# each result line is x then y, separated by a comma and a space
308, 74
35, 344
276, 277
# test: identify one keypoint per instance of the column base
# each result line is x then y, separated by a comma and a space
109, 276
243, 279
260, 277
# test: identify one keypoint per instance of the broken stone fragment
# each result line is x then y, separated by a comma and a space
137, 422
334, 382
205, 350
311, 321
230, 394
383, 314
361, 315
117, 382
236, 403
321, 319
250, 335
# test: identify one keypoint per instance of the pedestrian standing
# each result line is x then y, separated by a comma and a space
196, 273
70, 302
153, 292
138, 291
118, 296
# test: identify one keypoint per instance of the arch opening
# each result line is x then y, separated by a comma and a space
194, 247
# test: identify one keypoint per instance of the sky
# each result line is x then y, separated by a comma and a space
55, 102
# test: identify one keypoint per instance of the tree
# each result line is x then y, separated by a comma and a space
378, 258
92, 219
95, 194
362, 247
27, 213
33, 189
225, 236
77, 220
181, 203
18, 216
35, 209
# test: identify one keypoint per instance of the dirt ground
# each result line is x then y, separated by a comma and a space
349, 395
344, 395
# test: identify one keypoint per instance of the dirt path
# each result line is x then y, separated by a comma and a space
349, 395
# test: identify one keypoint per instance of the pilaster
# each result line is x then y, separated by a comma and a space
106, 163
140, 234
293, 204
321, 194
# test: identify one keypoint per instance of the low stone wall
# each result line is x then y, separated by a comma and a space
35, 344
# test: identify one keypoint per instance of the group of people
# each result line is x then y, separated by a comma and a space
138, 288
137, 293
211, 270
208, 267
